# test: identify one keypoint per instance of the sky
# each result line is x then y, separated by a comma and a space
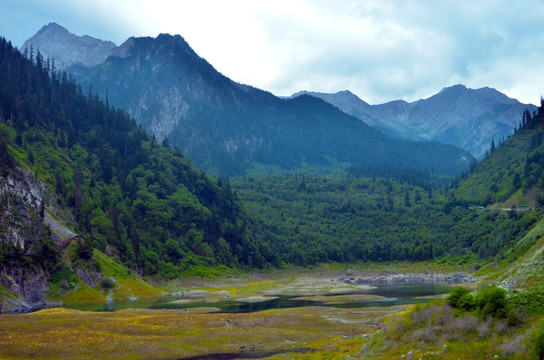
381, 50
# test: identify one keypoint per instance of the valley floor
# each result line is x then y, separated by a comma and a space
316, 332
175, 334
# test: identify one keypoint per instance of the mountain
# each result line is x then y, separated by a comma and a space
80, 180
512, 175
467, 118
68, 49
227, 128
492, 214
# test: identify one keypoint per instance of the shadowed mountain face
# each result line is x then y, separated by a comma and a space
459, 116
226, 127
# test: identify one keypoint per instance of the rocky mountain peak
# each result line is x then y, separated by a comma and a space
458, 88
457, 115
68, 49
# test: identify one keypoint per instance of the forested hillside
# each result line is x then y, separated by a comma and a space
227, 128
67, 156
124, 193
308, 220
513, 173
383, 213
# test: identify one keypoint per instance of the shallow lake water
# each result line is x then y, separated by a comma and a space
393, 293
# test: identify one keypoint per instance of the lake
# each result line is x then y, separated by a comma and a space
393, 294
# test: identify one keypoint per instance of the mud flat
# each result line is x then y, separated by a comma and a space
342, 299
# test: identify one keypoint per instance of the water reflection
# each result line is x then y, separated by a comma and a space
394, 294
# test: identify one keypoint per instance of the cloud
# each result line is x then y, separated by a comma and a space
379, 49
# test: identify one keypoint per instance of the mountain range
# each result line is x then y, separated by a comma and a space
81, 180
468, 118
90, 203
229, 128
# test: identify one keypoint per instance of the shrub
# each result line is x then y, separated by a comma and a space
62, 272
107, 283
455, 295
491, 301
539, 343
421, 315
513, 347
466, 323
467, 302
83, 250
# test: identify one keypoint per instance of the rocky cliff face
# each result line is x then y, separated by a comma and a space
27, 213
459, 116
68, 49
21, 202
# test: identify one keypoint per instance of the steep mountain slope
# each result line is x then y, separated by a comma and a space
87, 166
463, 117
226, 128
55, 42
512, 174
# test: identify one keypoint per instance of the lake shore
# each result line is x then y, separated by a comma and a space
202, 333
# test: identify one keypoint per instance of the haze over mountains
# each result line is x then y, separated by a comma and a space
459, 116
228, 128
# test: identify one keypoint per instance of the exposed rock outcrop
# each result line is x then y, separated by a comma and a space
68, 49
23, 206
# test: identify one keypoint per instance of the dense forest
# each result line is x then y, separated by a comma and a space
383, 213
145, 204
125, 194
345, 218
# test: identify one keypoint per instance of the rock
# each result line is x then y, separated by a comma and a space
68, 49
403, 356
242, 347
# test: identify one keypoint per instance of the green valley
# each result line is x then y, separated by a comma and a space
94, 210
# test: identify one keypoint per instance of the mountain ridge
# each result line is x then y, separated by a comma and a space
457, 115
226, 127
68, 49
89, 166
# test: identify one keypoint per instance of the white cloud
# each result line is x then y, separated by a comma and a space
380, 49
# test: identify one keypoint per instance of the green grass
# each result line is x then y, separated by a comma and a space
436, 331
6, 294
522, 265
127, 283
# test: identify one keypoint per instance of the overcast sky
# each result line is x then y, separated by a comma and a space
381, 50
